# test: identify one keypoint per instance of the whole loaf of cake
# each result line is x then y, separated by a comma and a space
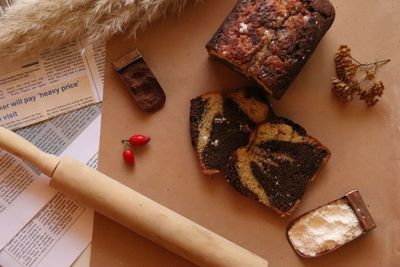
269, 41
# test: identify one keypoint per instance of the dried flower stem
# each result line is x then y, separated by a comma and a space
345, 85
376, 63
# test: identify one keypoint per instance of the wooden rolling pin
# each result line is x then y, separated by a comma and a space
131, 209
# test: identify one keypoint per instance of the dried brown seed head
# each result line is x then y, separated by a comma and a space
342, 90
370, 74
345, 85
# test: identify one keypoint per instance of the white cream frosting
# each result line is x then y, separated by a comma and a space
325, 228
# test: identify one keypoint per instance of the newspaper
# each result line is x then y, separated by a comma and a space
53, 83
38, 225
55, 93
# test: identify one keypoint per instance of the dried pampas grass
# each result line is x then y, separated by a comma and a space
30, 26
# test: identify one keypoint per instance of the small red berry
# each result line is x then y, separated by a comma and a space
139, 140
129, 156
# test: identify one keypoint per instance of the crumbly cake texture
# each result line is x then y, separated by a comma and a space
269, 41
277, 165
221, 123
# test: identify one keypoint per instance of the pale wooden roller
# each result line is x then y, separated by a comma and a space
131, 209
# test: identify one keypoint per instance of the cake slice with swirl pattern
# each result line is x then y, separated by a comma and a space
221, 123
277, 165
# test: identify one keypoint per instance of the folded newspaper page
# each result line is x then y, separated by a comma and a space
51, 84
38, 225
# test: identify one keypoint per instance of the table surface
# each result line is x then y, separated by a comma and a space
84, 259
364, 141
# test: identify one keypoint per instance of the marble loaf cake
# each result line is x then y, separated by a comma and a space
268, 158
277, 165
219, 124
269, 41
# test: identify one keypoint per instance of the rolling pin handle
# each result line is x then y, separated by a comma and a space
18, 146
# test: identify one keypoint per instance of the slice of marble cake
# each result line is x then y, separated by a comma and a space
277, 165
221, 123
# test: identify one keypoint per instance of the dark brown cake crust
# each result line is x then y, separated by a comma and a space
270, 41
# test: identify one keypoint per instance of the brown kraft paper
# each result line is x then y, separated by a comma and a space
364, 141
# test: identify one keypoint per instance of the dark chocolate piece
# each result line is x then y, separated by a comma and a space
142, 84
360, 209
269, 41
351, 205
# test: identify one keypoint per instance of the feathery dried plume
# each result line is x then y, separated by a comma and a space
32, 26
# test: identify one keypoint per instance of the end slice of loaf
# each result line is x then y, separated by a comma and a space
277, 165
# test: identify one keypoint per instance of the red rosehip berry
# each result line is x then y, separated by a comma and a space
139, 140
129, 156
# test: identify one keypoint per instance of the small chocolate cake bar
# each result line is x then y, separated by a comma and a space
331, 226
221, 123
269, 41
278, 164
141, 82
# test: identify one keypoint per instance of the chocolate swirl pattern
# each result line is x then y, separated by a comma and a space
277, 165
220, 124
